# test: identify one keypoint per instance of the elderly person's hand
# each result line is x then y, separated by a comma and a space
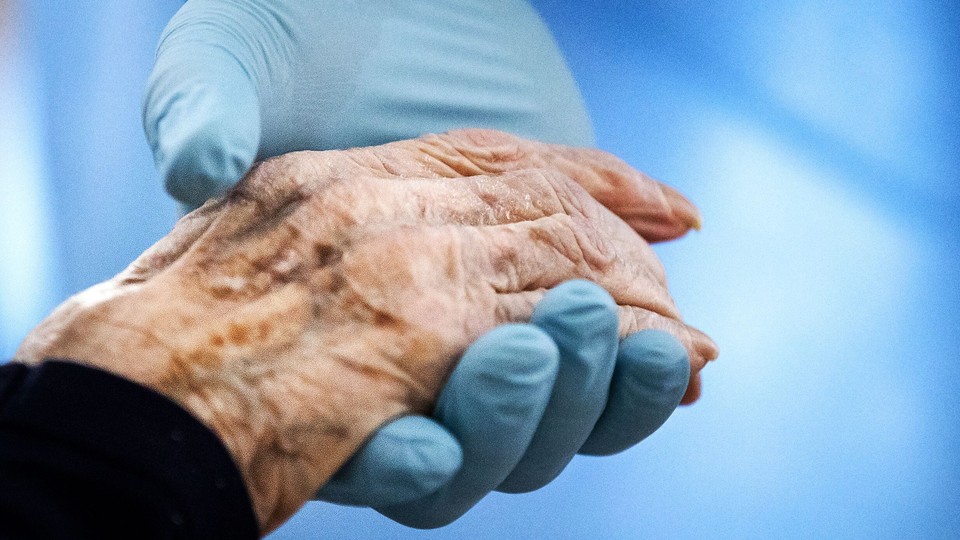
330, 292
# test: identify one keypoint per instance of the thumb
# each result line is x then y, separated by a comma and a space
201, 112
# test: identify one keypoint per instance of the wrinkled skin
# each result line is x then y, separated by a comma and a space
332, 291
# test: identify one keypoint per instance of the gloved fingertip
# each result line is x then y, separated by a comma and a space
585, 289
575, 299
581, 318
524, 352
201, 112
426, 457
665, 364
650, 379
517, 483
202, 154
507, 374
407, 459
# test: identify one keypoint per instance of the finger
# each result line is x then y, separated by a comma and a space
582, 320
519, 307
543, 253
568, 231
520, 259
201, 114
656, 211
492, 404
650, 377
408, 458
571, 234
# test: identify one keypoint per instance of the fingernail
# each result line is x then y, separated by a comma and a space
681, 208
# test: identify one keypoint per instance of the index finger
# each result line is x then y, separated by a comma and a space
656, 211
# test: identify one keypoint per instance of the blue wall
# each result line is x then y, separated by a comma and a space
820, 141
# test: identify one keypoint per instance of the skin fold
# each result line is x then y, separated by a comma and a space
332, 291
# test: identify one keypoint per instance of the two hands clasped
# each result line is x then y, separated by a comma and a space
406, 327
321, 307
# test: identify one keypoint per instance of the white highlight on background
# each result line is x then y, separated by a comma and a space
26, 255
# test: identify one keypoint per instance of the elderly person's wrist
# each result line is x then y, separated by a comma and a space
243, 401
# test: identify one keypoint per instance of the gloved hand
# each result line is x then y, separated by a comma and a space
239, 80
518, 424
513, 426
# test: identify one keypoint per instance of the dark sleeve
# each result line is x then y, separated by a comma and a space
86, 454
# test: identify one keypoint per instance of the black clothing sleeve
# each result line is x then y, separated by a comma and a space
87, 454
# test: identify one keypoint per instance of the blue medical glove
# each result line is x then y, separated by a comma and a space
239, 80
525, 398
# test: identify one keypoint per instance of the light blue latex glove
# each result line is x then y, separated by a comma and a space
239, 80
525, 398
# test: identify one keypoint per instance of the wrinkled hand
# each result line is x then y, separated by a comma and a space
239, 80
332, 291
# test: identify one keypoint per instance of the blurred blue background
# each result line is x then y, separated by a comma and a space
820, 139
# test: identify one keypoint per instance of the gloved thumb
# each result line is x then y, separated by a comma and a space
201, 113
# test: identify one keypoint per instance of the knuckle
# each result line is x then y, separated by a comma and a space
478, 151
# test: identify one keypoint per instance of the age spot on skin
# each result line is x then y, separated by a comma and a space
202, 357
239, 334
217, 340
382, 319
337, 430
337, 282
223, 287
326, 254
